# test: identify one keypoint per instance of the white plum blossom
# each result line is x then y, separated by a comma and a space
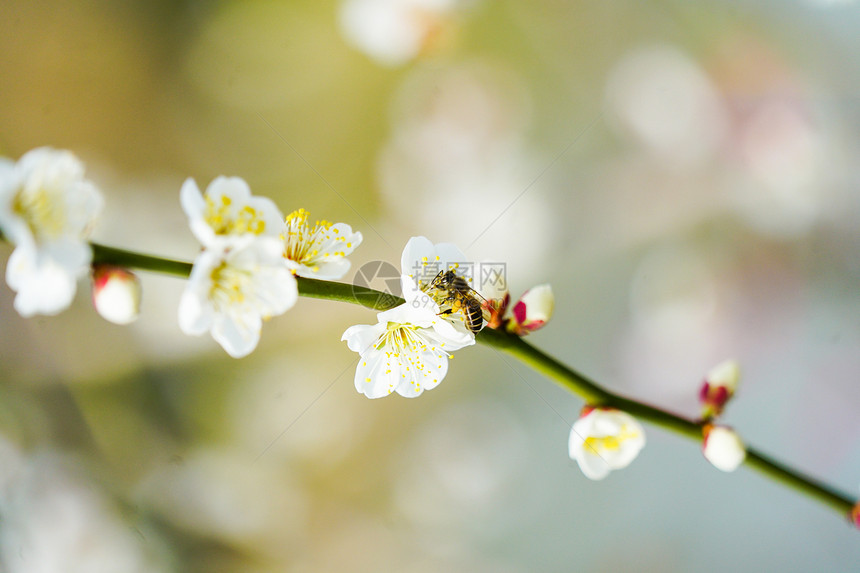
47, 209
723, 448
393, 32
406, 351
228, 210
231, 291
320, 251
533, 310
116, 293
605, 439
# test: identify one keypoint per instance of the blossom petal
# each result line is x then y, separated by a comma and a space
421, 259
277, 290
433, 368
361, 337
326, 271
238, 335
416, 297
375, 377
592, 465
194, 206
43, 285
451, 336
195, 318
450, 254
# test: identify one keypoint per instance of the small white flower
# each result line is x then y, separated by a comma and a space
47, 210
320, 251
407, 351
723, 448
605, 439
116, 294
533, 310
228, 210
394, 31
232, 290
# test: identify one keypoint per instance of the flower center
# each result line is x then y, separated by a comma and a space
595, 444
307, 245
229, 285
44, 215
224, 222
401, 336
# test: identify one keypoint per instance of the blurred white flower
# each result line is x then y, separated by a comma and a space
407, 351
222, 494
55, 521
605, 439
666, 101
116, 294
228, 210
788, 170
723, 448
320, 251
676, 289
533, 310
47, 210
232, 290
466, 458
459, 145
393, 32
718, 387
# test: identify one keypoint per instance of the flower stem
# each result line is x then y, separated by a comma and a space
130, 259
515, 346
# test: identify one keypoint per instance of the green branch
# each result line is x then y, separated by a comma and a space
515, 346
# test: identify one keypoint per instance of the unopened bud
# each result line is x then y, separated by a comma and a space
116, 294
496, 308
718, 388
532, 311
723, 448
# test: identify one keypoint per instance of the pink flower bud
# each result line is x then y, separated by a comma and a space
723, 448
718, 388
116, 294
855, 515
495, 300
532, 311
496, 307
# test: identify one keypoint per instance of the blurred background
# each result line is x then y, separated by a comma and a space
685, 175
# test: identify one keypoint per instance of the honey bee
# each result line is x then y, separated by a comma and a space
454, 294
